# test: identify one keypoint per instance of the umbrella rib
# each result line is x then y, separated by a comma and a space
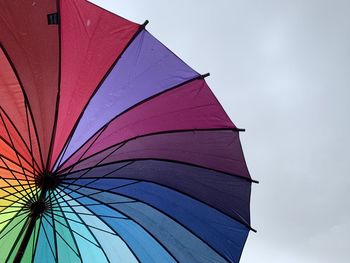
37, 237
11, 212
53, 134
21, 200
97, 192
156, 159
121, 144
5, 187
65, 219
48, 241
18, 155
54, 224
112, 233
54, 219
83, 223
87, 214
18, 237
13, 175
63, 151
88, 148
240, 219
19, 213
34, 242
68, 225
18, 133
14, 163
100, 177
20, 192
166, 214
125, 111
146, 230
30, 138
17, 240
101, 162
14, 148
76, 253
25, 98
94, 227
20, 136
111, 203
31, 178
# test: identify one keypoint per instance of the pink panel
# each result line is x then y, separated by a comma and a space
191, 106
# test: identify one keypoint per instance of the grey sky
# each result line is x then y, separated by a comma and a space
281, 69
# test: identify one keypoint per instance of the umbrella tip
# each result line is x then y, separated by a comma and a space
204, 76
145, 24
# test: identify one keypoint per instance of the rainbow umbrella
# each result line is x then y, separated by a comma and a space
112, 149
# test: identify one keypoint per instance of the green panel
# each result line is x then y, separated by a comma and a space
29, 252
9, 235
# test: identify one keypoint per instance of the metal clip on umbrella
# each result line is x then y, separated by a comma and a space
112, 149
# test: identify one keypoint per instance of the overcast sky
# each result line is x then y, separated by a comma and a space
281, 70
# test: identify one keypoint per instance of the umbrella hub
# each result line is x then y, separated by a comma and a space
47, 181
37, 208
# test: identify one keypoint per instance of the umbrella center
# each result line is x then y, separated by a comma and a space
47, 181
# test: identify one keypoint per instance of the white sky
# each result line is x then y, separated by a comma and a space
281, 69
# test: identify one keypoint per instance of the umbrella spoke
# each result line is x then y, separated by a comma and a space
75, 232
37, 237
66, 242
48, 241
83, 223
126, 217
86, 205
50, 213
87, 214
97, 190
88, 170
30, 139
20, 136
67, 223
17, 239
14, 176
120, 168
19, 213
22, 199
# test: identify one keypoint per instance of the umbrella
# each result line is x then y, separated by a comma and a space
112, 149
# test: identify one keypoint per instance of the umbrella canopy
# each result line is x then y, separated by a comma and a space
112, 149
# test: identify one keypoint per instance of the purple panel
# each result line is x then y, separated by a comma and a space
190, 106
229, 194
146, 68
219, 150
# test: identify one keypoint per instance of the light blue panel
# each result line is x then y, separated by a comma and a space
90, 251
113, 245
181, 243
43, 249
67, 250
143, 244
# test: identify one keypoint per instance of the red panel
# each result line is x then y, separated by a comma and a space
33, 47
91, 39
